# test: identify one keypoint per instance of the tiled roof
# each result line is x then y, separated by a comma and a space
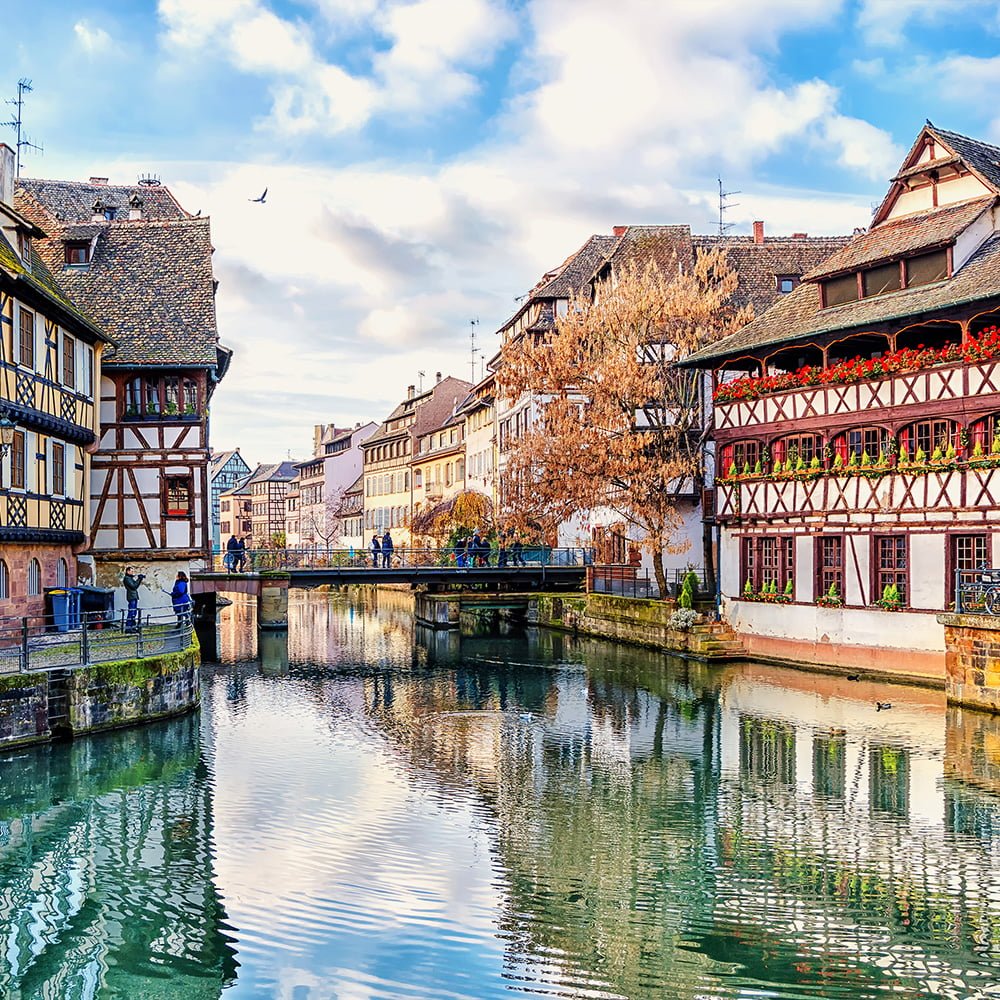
758, 265
908, 234
73, 201
666, 246
279, 472
982, 157
438, 410
151, 286
40, 279
797, 316
576, 271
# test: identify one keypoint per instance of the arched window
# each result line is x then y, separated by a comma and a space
4, 581
860, 441
34, 578
796, 446
927, 435
741, 454
62, 573
983, 433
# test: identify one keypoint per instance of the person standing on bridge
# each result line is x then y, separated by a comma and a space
131, 584
232, 554
376, 551
240, 555
387, 548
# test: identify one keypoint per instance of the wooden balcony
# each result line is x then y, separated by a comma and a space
947, 389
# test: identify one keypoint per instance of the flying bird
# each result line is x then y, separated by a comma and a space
261, 199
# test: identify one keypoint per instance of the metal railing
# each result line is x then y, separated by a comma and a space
402, 557
977, 591
628, 586
51, 642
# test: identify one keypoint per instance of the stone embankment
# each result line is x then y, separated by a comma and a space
40, 705
636, 621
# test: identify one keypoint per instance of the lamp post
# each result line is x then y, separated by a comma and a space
7, 427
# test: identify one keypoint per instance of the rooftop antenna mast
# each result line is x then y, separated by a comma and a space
473, 350
21, 142
724, 206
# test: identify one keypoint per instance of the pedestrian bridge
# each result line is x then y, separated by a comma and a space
537, 567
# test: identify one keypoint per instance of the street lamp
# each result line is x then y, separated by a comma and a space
7, 427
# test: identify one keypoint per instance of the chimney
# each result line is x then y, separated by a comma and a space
98, 211
7, 168
619, 230
758, 232
800, 236
411, 391
437, 377
99, 180
134, 208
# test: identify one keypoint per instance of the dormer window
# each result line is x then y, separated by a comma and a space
110, 214
911, 272
24, 249
77, 252
786, 283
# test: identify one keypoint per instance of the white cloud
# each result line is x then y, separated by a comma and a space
263, 43
885, 22
90, 38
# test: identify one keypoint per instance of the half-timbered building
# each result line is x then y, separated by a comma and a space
857, 424
136, 262
268, 486
50, 363
226, 469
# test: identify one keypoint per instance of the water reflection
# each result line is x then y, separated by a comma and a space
106, 880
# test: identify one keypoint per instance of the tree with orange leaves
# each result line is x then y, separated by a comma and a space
616, 424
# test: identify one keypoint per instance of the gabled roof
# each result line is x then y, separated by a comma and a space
798, 316
276, 472
904, 236
981, 157
220, 459
668, 247
73, 201
439, 409
149, 282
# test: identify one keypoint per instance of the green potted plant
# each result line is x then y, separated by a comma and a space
831, 599
890, 599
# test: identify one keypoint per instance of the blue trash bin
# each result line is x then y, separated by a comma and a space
73, 611
59, 605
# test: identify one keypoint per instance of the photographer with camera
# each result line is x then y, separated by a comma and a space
131, 584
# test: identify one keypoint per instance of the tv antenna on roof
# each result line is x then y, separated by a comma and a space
724, 206
21, 142
473, 350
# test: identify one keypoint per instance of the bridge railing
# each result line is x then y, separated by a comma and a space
57, 642
402, 557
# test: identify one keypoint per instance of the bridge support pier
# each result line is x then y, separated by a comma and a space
272, 601
439, 610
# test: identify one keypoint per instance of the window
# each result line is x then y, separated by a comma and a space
968, 552
17, 463
62, 573
804, 446
58, 469
882, 279
891, 566
742, 454
4, 581
860, 441
34, 578
830, 565
68, 361
839, 290
88, 387
178, 496
77, 252
27, 342
926, 435
926, 268
768, 559
786, 283
111, 214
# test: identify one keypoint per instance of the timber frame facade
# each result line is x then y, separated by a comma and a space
857, 428
50, 362
141, 266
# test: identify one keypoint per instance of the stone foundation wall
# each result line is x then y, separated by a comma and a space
972, 661
101, 697
133, 691
24, 709
634, 621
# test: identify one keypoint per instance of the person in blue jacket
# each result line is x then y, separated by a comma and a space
180, 597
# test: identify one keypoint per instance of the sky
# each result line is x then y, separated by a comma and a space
426, 161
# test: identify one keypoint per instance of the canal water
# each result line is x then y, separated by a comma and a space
364, 809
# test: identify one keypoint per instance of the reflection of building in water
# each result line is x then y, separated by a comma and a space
237, 630
837, 828
106, 884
